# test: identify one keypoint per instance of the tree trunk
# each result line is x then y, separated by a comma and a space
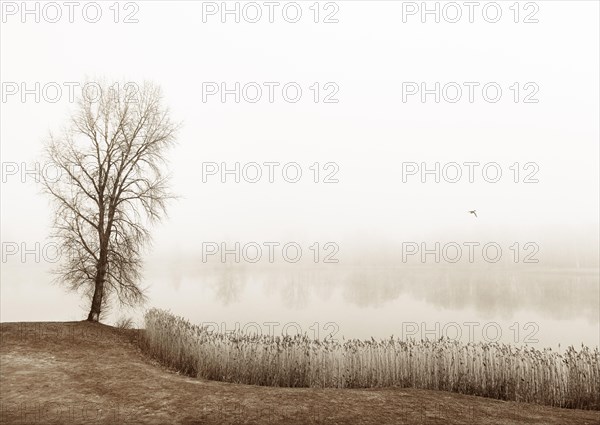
96, 307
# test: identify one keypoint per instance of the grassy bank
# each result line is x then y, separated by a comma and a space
88, 373
570, 380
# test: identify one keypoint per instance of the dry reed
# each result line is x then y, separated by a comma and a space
500, 371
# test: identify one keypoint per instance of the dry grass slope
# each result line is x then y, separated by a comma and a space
83, 373
493, 370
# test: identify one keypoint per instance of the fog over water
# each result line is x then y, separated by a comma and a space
549, 306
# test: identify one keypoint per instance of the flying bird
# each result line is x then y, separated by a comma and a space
473, 212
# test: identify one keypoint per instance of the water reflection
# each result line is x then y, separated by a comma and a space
362, 300
228, 286
492, 292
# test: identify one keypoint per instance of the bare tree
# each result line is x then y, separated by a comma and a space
112, 188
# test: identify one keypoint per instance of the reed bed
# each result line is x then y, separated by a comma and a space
500, 371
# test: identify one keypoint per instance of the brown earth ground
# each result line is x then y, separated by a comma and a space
81, 372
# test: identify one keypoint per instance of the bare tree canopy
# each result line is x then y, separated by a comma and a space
113, 186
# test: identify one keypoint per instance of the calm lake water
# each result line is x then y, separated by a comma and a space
537, 307
541, 308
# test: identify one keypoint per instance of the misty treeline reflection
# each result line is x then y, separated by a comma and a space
559, 293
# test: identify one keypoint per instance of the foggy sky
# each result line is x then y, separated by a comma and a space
369, 133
